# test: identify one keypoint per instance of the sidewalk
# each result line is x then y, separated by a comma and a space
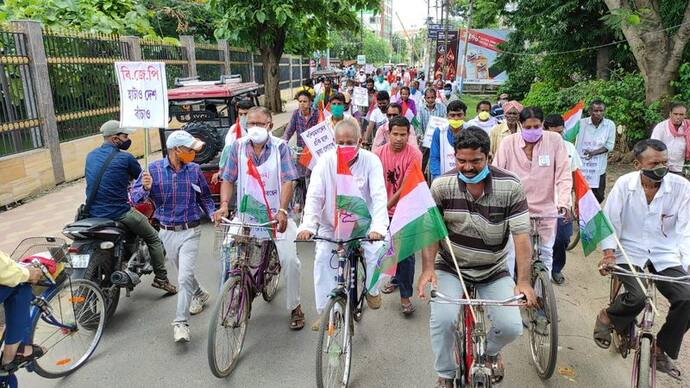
48, 214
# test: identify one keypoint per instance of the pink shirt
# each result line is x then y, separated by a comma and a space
395, 167
383, 135
545, 175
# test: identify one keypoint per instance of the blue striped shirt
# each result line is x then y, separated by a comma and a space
424, 113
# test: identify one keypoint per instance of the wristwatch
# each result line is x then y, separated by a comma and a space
281, 210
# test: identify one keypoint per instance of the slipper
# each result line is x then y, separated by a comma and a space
665, 365
297, 319
408, 309
602, 334
389, 287
20, 360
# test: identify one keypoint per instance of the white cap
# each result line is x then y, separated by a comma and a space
182, 138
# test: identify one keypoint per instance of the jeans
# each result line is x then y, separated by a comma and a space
631, 302
404, 276
182, 247
506, 323
600, 192
17, 312
138, 224
563, 233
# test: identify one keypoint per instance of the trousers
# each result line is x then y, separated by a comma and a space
181, 247
563, 233
546, 227
506, 323
138, 224
16, 301
404, 276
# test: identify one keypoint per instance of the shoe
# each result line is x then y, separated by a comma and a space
198, 302
181, 332
165, 285
374, 301
558, 278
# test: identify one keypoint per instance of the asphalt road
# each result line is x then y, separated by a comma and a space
137, 349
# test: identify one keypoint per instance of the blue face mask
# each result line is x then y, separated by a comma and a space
413, 90
477, 178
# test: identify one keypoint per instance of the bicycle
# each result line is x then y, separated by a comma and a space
299, 194
346, 306
67, 315
639, 336
250, 266
542, 320
470, 337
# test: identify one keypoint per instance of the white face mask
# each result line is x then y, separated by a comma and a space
258, 135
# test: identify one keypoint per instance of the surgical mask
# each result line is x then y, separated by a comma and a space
381, 79
337, 110
413, 90
477, 178
186, 157
258, 135
483, 116
243, 122
656, 174
455, 124
532, 135
124, 145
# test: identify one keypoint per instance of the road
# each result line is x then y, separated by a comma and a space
137, 349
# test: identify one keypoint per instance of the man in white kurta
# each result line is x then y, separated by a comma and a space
675, 133
319, 212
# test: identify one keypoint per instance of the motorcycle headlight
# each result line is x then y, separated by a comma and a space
107, 245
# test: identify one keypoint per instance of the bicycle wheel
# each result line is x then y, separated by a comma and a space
543, 326
334, 348
228, 327
359, 290
272, 271
642, 371
78, 305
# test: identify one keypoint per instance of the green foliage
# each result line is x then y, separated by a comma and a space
182, 17
624, 96
377, 50
682, 85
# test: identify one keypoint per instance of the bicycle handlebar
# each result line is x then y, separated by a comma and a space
36, 263
227, 222
338, 242
618, 270
438, 297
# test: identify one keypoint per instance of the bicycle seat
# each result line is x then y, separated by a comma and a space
95, 223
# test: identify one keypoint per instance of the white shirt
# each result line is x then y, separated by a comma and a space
319, 207
485, 125
605, 133
378, 117
658, 232
574, 158
418, 99
675, 144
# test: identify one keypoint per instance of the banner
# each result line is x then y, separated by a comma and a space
434, 122
360, 96
481, 56
451, 55
143, 94
319, 139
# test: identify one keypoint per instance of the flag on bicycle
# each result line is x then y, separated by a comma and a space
410, 116
572, 122
416, 224
352, 217
254, 201
594, 226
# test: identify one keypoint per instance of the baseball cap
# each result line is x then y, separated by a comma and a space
112, 127
183, 139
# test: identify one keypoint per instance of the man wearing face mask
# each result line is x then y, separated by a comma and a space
272, 159
675, 133
541, 161
648, 209
442, 159
380, 83
319, 210
180, 192
377, 117
236, 131
111, 200
337, 104
483, 120
507, 127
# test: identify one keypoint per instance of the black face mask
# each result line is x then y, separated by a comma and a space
124, 145
655, 174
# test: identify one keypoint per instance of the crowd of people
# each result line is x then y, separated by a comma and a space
494, 177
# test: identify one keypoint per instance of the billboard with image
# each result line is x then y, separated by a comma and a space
482, 51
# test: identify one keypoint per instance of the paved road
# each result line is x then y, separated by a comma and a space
389, 351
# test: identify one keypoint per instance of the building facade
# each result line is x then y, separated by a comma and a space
380, 21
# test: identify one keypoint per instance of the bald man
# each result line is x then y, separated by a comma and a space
319, 210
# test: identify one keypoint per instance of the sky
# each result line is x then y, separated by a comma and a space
411, 12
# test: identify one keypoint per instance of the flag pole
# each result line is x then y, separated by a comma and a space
462, 282
146, 149
634, 271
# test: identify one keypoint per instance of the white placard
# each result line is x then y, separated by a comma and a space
361, 59
143, 94
319, 139
434, 122
360, 96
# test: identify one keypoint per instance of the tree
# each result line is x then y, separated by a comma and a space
182, 17
276, 26
377, 50
345, 44
657, 38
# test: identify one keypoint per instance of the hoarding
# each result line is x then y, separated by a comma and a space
482, 51
451, 55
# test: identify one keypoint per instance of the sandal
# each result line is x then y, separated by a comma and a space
20, 360
408, 309
389, 287
297, 319
602, 333
498, 369
665, 365
165, 285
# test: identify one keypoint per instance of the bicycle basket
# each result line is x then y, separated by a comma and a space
52, 246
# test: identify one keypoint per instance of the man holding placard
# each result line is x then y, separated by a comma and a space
443, 141
430, 109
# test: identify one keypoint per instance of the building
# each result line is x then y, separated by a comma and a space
380, 21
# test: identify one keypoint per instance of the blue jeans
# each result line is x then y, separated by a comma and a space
17, 302
404, 276
563, 233
506, 323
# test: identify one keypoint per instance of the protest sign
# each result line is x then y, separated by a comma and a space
319, 139
143, 94
359, 96
434, 122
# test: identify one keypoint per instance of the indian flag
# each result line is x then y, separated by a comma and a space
254, 202
409, 115
572, 122
352, 217
594, 226
416, 223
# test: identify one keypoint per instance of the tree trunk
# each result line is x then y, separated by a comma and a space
657, 78
603, 60
271, 69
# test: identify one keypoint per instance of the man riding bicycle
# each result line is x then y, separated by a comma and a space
649, 212
482, 206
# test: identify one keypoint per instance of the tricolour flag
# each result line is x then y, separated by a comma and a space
594, 226
572, 122
410, 116
254, 201
416, 223
352, 217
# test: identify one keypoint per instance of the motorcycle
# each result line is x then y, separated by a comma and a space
107, 253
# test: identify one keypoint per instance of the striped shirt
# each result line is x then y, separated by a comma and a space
479, 229
424, 113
